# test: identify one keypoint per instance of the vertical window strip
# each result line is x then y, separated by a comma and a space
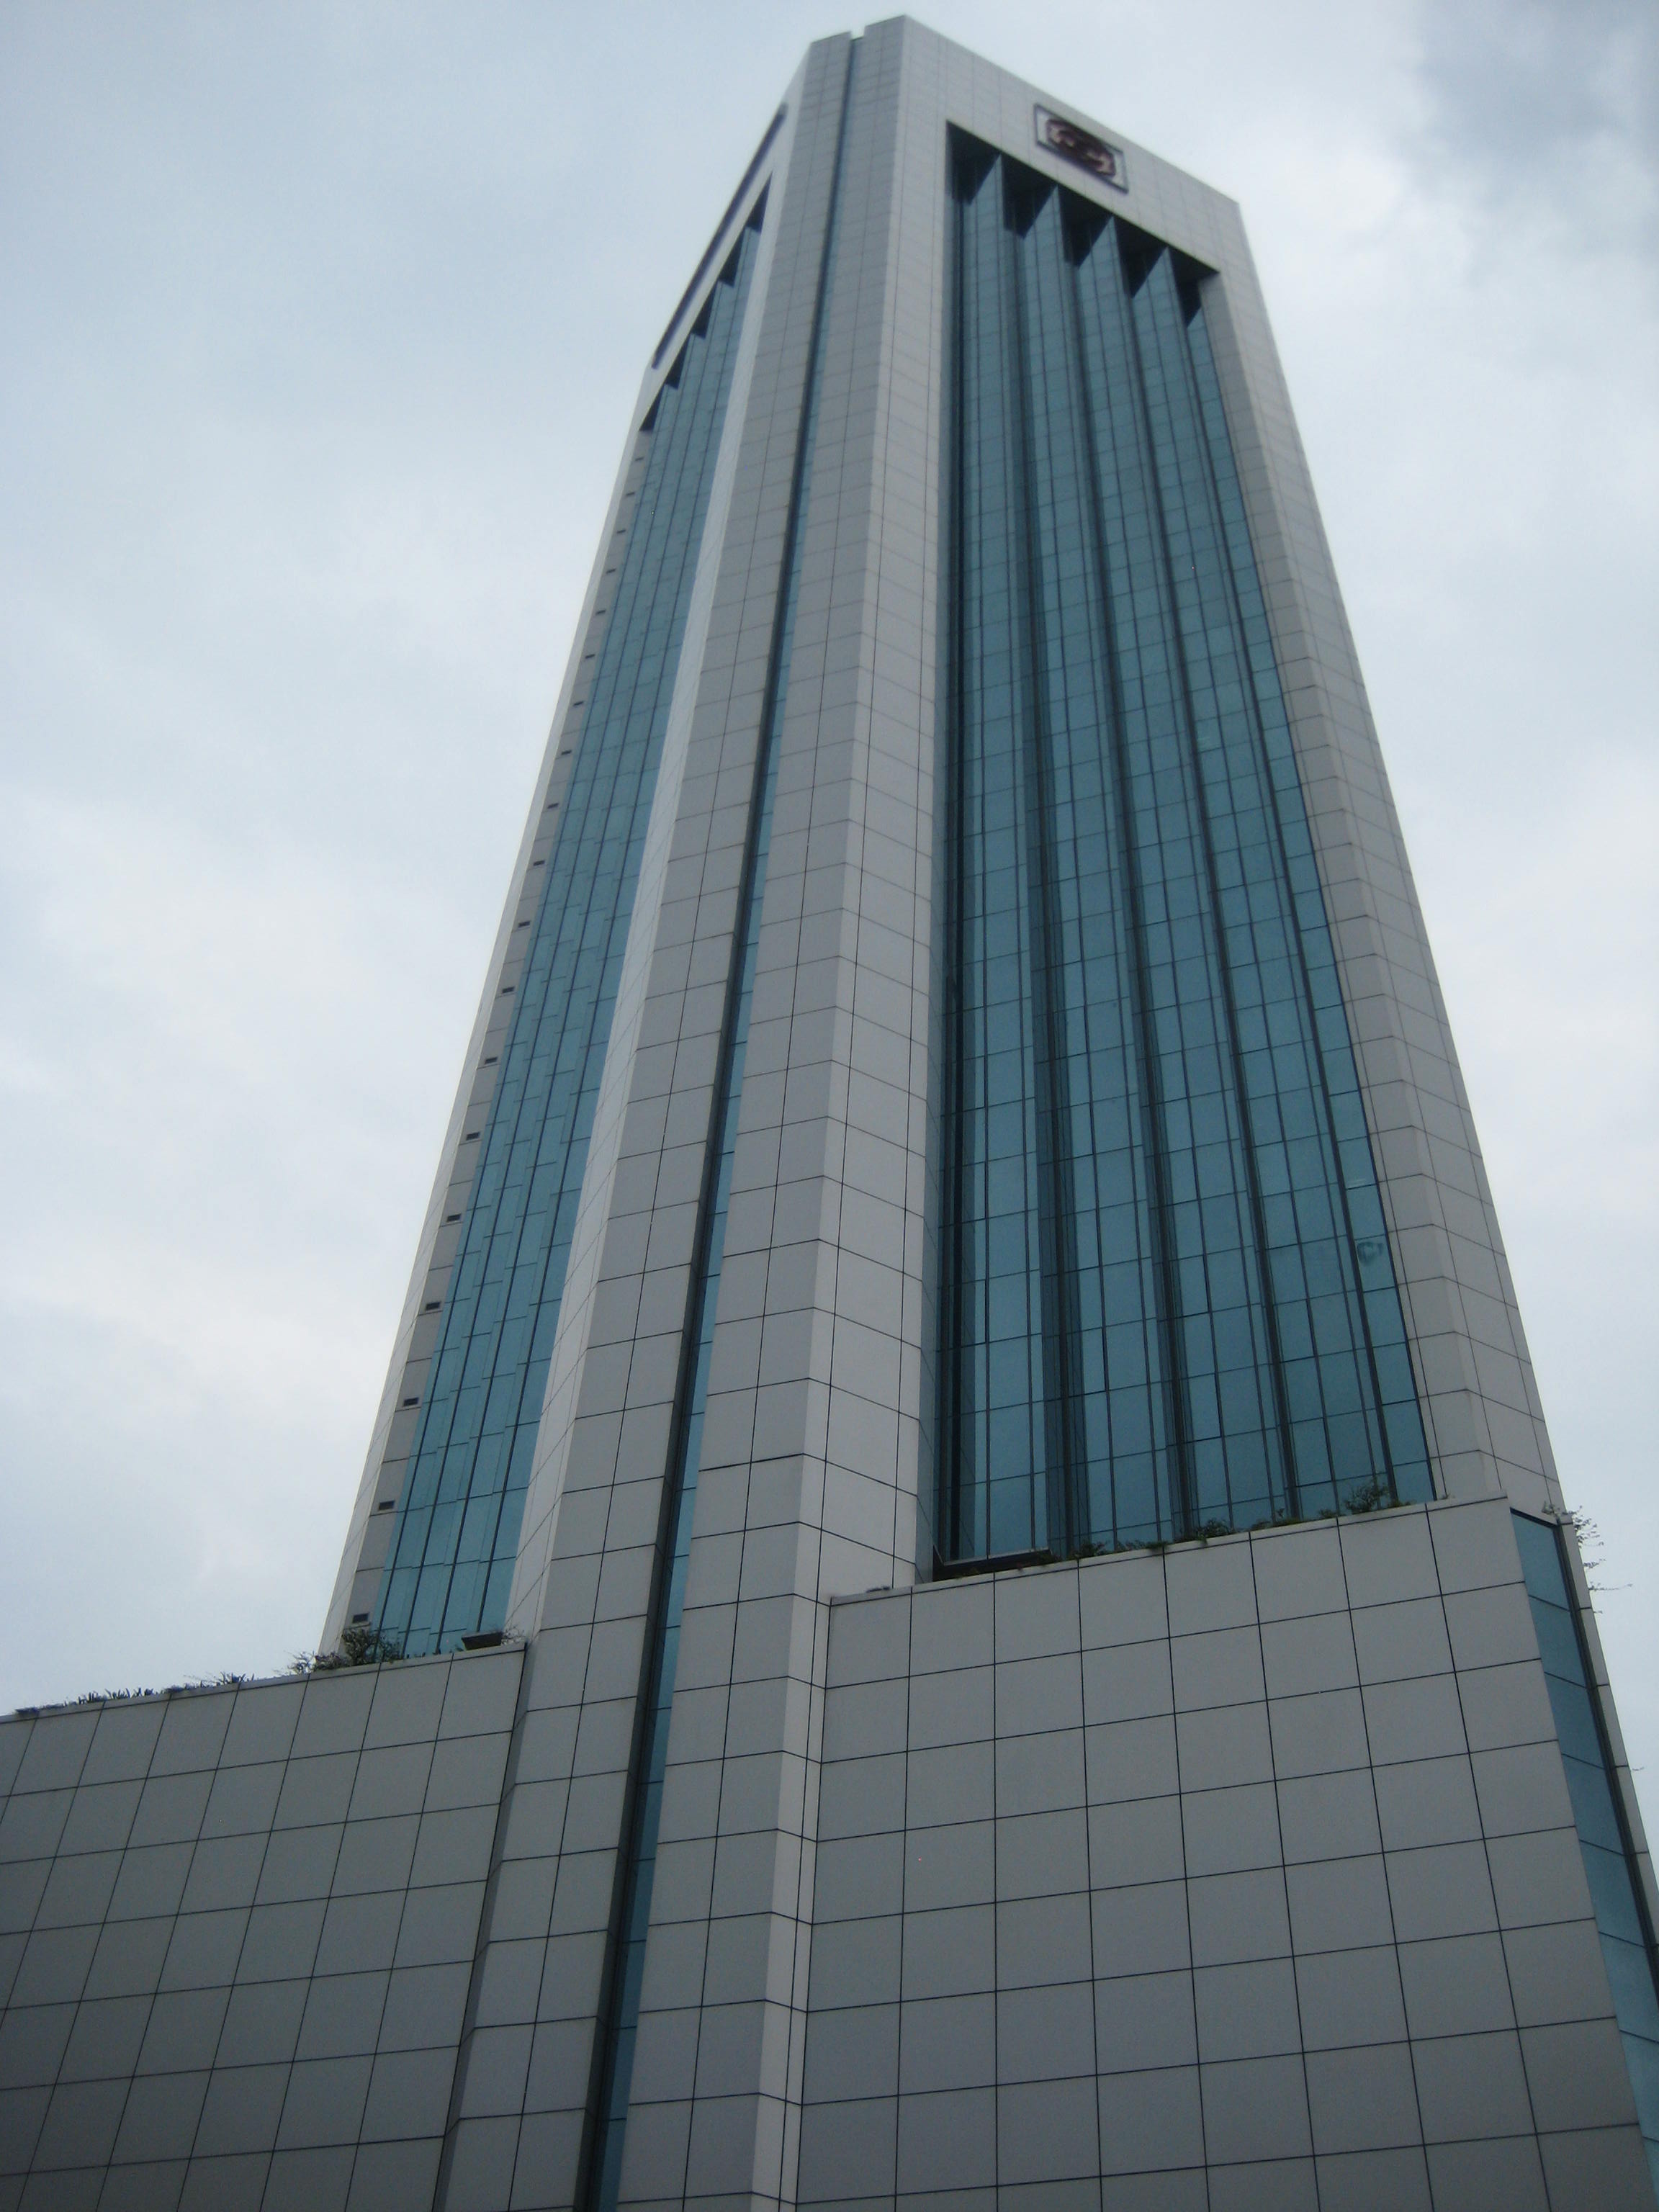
1038, 562
1338, 1447
999, 1148
1336, 1444
1117, 1365
964, 1503
1604, 1836
1215, 1265
1249, 1401
626, 1968
1143, 762
1234, 1471
995, 1395
451, 1565
1346, 1141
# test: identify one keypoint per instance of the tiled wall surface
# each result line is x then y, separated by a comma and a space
1244, 1874
237, 1929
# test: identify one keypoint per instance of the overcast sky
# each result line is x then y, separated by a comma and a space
322, 327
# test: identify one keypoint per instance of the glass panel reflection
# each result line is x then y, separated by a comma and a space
451, 1567
1167, 1301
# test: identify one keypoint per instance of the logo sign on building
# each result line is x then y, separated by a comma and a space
1073, 143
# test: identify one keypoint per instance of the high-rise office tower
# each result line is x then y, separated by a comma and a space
989, 1619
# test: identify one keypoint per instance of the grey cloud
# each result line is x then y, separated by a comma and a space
1550, 95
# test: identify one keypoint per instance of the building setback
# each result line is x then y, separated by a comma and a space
989, 1620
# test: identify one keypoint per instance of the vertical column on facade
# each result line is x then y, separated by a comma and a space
605, 1565
590, 1566
810, 1439
655, 2036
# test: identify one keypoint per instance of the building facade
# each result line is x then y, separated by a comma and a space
988, 1618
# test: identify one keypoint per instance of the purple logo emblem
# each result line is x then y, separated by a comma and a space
1073, 143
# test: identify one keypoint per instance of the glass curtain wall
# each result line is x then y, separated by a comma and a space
1621, 1920
1168, 1301
451, 1566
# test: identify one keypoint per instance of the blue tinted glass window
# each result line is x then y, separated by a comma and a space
451, 1566
1167, 1301
1627, 1942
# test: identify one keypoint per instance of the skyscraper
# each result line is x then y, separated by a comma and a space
988, 1616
